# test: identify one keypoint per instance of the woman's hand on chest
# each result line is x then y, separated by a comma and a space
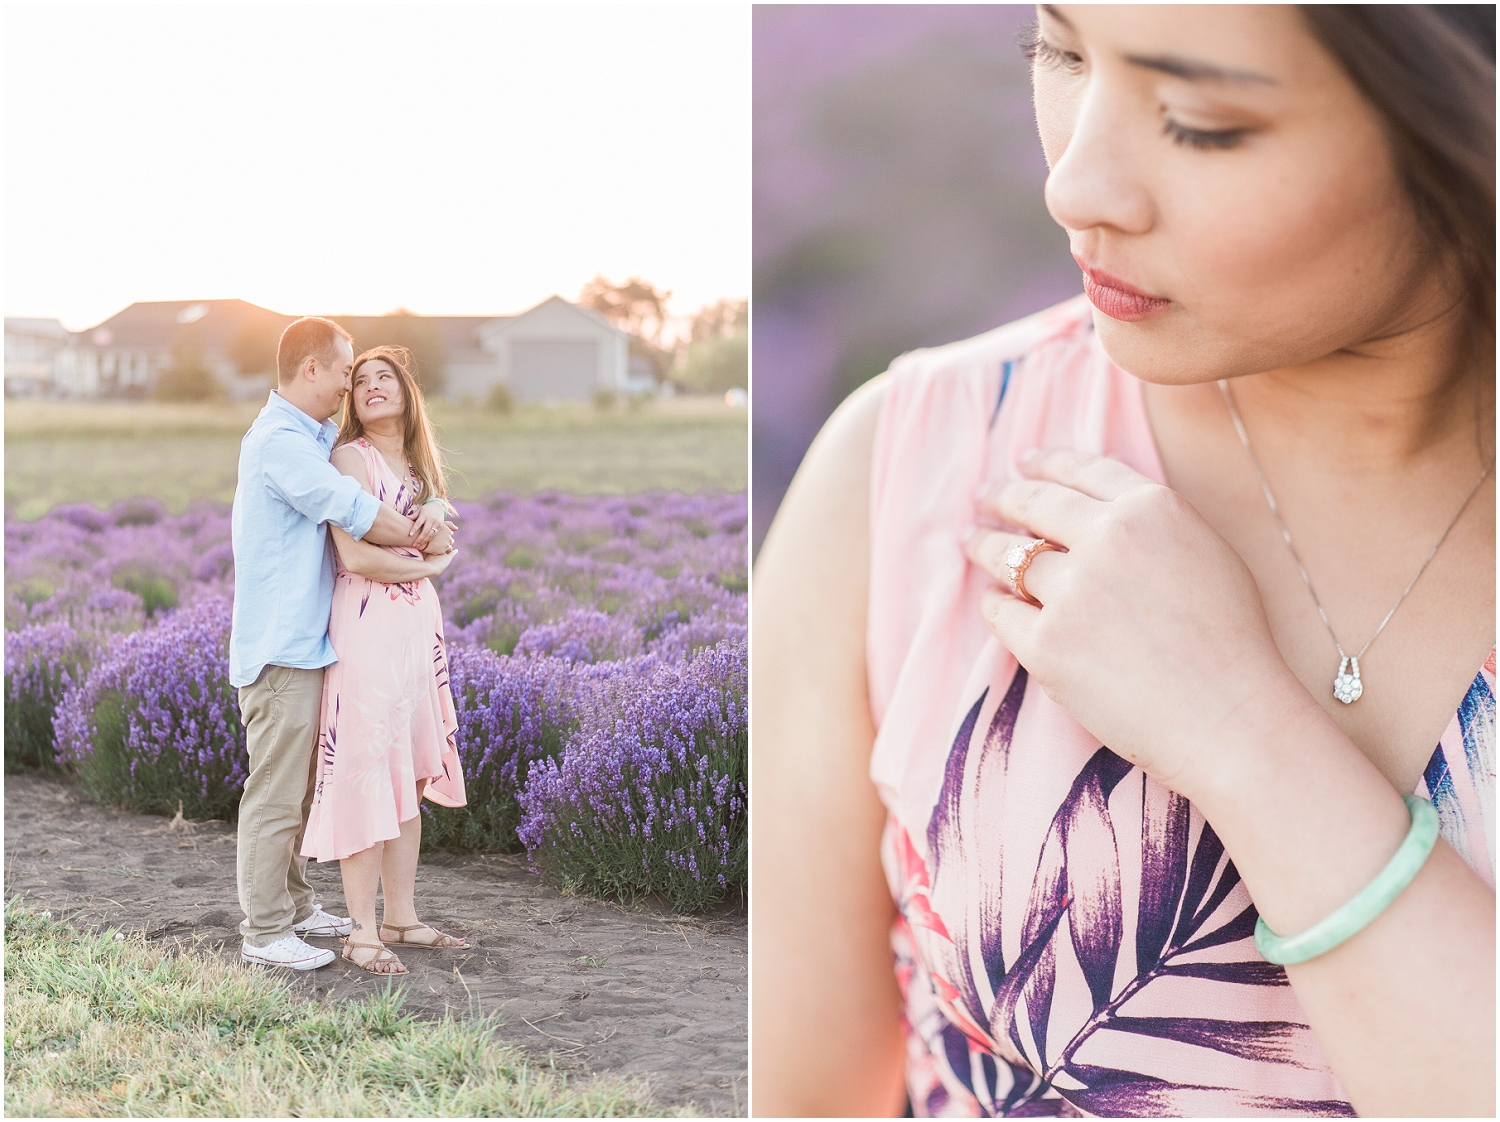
1151, 632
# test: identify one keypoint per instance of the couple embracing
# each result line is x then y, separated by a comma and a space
338, 653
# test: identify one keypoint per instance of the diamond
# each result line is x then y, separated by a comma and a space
1346, 686
1016, 558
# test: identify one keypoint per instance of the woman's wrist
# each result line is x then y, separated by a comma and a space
1244, 749
1304, 815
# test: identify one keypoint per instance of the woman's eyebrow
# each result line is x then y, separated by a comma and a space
1190, 69
1196, 71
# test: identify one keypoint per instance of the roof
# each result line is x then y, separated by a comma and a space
587, 313
461, 334
155, 323
24, 325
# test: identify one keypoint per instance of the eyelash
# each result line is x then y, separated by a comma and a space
1201, 138
1038, 50
1042, 53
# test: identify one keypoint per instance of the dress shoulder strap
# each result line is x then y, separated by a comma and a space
376, 468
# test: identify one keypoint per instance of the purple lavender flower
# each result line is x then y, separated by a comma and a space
512, 713
156, 720
583, 635
42, 663
653, 801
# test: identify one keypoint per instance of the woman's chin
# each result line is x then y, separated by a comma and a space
1150, 350
1167, 350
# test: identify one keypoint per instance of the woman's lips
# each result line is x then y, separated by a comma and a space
1119, 300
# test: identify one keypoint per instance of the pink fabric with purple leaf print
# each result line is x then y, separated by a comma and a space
388, 717
1072, 937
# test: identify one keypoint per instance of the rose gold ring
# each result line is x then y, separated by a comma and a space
1019, 559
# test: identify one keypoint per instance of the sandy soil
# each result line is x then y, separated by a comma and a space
591, 985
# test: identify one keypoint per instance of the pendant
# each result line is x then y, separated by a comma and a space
1347, 687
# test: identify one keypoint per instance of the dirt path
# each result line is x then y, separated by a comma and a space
594, 986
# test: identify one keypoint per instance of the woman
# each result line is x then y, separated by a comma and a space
387, 732
1284, 219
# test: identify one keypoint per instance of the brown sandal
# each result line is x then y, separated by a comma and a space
372, 965
443, 941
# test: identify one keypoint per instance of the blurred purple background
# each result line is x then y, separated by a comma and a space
897, 204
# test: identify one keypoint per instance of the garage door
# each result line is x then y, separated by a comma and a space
556, 369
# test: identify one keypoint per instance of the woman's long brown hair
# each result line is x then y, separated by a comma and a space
1429, 70
418, 439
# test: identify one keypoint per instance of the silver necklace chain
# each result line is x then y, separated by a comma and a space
1347, 686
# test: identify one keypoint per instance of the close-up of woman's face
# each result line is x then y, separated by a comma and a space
1232, 199
377, 392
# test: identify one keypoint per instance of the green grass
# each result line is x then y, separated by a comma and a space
104, 1024
58, 452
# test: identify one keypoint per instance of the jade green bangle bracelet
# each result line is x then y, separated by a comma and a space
1372, 900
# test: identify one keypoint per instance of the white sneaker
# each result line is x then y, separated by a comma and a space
288, 951
320, 924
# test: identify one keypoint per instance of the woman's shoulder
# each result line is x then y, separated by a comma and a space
1060, 332
925, 387
358, 448
352, 458
939, 397
1049, 372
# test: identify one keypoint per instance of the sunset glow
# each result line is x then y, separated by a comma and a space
350, 159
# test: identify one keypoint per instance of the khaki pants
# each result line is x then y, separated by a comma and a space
280, 713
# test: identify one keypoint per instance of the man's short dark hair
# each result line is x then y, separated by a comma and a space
309, 337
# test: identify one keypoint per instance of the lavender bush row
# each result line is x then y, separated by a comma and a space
565, 616
511, 712
654, 561
134, 559
156, 720
652, 802
667, 570
42, 662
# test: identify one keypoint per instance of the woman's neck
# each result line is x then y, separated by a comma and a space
1380, 408
1372, 458
389, 438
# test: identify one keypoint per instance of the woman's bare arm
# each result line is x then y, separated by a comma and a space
367, 558
379, 564
826, 1007
391, 527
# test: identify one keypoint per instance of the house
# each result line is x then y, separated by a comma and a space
125, 355
469, 370
31, 349
554, 351
226, 337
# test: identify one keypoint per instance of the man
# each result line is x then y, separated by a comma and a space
278, 646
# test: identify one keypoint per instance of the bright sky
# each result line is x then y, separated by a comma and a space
347, 158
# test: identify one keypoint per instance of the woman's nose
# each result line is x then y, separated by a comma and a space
1095, 181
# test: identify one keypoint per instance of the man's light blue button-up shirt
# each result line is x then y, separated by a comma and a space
283, 560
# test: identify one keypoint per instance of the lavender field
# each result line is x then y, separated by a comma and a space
597, 647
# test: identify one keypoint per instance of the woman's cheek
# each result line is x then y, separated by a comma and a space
1056, 109
1289, 256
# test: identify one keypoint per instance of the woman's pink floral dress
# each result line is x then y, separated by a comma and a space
388, 716
1072, 939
